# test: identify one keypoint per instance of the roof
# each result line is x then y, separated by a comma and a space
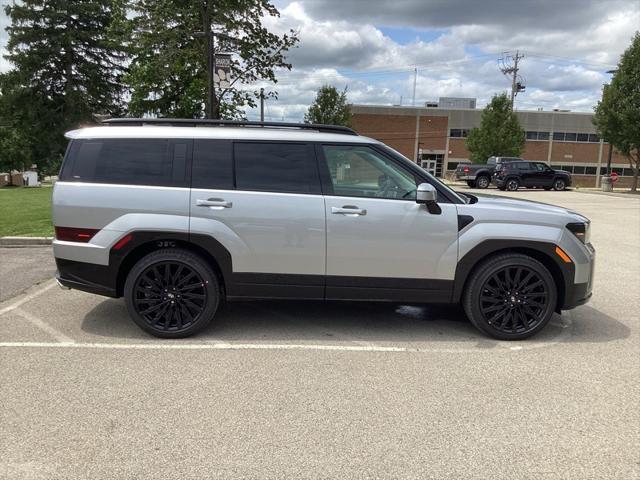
221, 132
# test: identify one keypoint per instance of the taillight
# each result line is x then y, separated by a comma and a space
465, 169
72, 234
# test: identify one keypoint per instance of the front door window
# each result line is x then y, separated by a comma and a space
360, 171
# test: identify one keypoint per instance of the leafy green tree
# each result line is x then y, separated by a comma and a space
330, 107
617, 115
499, 133
168, 72
67, 64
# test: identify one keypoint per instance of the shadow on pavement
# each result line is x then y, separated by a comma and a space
294, 321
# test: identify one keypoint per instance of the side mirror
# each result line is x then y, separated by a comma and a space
428, 195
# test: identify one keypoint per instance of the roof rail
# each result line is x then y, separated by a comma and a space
188, 122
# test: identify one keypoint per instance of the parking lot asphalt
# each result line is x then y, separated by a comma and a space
336, 390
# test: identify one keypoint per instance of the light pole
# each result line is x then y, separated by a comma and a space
211, 66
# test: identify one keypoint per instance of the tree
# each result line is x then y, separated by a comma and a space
617, 115
67, 65
330, 107
168, 72
499, 133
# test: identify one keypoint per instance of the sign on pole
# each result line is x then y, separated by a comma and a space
222, 71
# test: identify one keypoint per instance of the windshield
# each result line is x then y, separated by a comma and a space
433, 180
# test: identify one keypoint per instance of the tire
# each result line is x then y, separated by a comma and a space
498, 310
512, 184
471, 184
177, 284
483, 181
559, 184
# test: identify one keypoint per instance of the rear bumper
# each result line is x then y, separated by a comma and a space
465, 178
88, 277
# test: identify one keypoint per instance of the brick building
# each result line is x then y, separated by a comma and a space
435, 138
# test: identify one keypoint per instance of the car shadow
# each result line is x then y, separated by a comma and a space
370, 322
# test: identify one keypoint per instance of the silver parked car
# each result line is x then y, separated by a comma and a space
177, 216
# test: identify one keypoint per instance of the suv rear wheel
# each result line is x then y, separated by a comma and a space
172, 293
559, 184
510, 296
483, 181
513, 184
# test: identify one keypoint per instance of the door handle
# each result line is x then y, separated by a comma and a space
213, 203
348, 210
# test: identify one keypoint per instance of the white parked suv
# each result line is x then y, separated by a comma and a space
180, 215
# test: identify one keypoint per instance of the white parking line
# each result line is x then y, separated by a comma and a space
48, 286
61, 337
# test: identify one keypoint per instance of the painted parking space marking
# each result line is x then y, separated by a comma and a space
27, 298
44, 326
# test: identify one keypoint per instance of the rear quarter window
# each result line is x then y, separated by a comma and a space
131, 161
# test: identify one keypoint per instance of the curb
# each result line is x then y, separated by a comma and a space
25, 241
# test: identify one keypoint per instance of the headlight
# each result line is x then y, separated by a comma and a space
582, 231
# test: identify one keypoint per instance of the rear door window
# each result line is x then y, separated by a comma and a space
130, 161
212, 164
276, 167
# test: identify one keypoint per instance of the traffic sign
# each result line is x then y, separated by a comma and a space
614, 177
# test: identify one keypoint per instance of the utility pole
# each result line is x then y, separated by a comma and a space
512, 71
262, 104
209, 34
415, 79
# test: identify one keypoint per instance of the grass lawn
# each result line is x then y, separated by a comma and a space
25, 212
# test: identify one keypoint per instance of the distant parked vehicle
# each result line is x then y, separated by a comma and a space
479, 175
514, 175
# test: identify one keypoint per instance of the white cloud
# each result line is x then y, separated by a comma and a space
568, 47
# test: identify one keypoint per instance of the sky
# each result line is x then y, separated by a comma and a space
372, 48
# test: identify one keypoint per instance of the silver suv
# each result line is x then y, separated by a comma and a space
178, 216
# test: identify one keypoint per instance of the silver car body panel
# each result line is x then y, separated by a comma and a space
265, 232
503, 218
395, 238
115, 210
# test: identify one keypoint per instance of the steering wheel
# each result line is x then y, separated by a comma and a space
387, 188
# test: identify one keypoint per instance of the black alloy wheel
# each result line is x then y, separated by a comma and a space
483, 182
172, 293
559, 185
511, 297
513, 184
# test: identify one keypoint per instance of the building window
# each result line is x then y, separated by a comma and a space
543, 135
570, 137
558, 136
593, 137
532, 135
458, 132
577, 170
590, 170
583, 137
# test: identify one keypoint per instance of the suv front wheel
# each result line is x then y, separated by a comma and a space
559, 185
510, 296
172, 293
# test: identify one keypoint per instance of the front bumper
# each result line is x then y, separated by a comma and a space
577, 294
